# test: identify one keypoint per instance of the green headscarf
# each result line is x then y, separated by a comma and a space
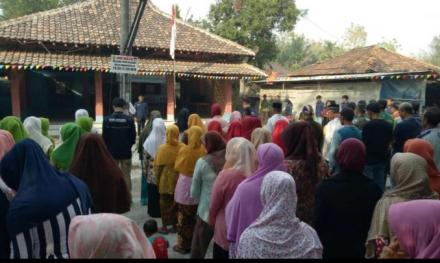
45, 129
147, 130
86, 123
13, 125
63, 155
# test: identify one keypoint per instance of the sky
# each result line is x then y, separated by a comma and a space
412, 23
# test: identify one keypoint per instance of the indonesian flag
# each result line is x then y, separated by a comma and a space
173, 33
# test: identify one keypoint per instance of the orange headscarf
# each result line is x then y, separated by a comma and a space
189, 154
424, 149
167, 153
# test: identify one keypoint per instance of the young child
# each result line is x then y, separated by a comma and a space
159, 243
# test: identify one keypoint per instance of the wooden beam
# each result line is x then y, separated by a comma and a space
99, 98
227, 88
18, 92
170, 98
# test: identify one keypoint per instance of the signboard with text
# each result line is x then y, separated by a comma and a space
124, 64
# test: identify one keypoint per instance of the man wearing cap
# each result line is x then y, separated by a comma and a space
276, 110
377, 136
347, 131
331, 127
307, 114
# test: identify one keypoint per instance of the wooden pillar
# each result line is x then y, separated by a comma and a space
170, 98
86, 90
99, 98
227, 88
18, 92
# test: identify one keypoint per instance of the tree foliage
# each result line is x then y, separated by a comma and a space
391, 45
254, 24
16, 8
432, 55
355, 36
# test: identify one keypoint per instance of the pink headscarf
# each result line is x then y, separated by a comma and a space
417, 227
277, 232
245, 206
6, 142
107, 236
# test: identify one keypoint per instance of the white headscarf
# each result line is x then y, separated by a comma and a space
156, 138
81, 113
277, 232
33, 128
241, 155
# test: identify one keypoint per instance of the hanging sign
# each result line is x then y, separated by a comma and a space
124, 64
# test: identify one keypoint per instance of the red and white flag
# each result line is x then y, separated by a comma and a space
173, 33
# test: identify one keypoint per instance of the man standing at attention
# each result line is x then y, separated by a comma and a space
141, 113
408, 128
377, 136
319, 108
119, 133
344, 102
331, 127
431, 122
264, 109
276, 109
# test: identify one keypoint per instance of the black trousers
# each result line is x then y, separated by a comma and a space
219, 253
141, 124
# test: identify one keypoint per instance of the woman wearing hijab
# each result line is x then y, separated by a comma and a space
205, 173
94, 165
415, 224
144, 135
6, 144
215, 126
235, 116
425, 150
156, 138
408, 172
280, 126
33, 128
245, 206
277, 232
167, 178
81, 113
84, 121
63, 155
195, 120
260, 136
305, 164
187, 206
45, 129
235, 130
13, 125
108, 236
216, 115
182, 120
46, 200
240, 163
344, 204
249, 124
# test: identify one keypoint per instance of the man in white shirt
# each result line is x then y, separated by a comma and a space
330, 128
276, 109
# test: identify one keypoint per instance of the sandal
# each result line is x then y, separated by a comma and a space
180, 250
163, 230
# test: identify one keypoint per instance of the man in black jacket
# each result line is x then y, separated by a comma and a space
119, 133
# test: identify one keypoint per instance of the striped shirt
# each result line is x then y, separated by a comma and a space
48, 239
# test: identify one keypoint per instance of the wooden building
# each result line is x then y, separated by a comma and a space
368, 73
56, 61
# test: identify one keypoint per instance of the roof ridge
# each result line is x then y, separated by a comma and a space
45, 12
428, 65
243, 48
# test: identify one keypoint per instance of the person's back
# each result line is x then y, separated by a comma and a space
377, 136
431, 124
409, 128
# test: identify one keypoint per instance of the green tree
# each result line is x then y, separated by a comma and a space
392, 45
254, 24
16, 8
355, 36
433, 54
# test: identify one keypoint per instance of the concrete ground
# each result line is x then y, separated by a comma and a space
139, 213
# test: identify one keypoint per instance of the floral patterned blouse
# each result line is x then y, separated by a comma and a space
305, 188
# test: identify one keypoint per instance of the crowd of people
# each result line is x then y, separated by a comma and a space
354, 180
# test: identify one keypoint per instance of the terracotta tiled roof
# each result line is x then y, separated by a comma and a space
370, 59
99, 63
96, 22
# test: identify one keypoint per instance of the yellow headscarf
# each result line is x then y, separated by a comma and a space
167, 152
195, 120
189, 154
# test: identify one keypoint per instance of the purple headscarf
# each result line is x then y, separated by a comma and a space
245, 206
416, 225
